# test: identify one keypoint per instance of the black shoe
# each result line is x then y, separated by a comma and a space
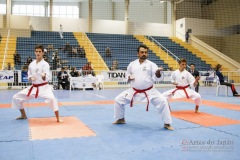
236, 95
120, 121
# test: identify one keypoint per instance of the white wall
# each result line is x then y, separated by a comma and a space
145, 12
70, 25
83, 10
40, 23
119, 11
152, 29
109, 26
102, 10
1, 21
200, 27
19, 22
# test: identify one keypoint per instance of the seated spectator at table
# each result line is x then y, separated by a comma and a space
222, 81
63, 79
87, 69
74, 72
108, 52
9, 67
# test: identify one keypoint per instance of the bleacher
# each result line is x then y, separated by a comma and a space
181, 52
123, 49
25, 47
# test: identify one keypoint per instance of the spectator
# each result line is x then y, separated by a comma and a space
87, 69
222, 82
108, 52
187, 36
82, 53
9, 67
17, 58
49, 48
61, 31
74, 72
67, 48
25, 67
63, 79
0, 38
74, 52
29, 60
195, 74
115, 65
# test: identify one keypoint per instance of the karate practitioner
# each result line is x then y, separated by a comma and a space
38, 74
183, 79
141, 74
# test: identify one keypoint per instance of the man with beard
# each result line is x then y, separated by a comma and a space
141, 74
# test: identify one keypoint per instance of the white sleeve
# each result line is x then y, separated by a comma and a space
46, 70
173, 77
154, 69
29, 71
191, 79
129, 70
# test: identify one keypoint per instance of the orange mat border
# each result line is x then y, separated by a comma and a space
209, 103
203, 119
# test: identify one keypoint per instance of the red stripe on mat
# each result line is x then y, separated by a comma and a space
203, 119
48, 128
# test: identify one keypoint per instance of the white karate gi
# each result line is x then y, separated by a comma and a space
35, 70
144, 75
183, 79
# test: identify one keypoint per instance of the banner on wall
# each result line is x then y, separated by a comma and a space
121, 76
24, 76
6, 76
114, 76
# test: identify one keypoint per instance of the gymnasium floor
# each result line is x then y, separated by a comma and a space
88, 133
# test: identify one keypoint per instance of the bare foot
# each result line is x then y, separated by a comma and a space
21, 117
60, 121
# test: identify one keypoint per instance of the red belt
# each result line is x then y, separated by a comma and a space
36, 85
141, 91
183, 88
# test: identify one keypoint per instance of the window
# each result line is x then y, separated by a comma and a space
28, 10
3, 9
65, 11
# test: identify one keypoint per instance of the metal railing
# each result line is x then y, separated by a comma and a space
109, 82
6, 48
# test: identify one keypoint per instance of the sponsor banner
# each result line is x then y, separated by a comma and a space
114, 76
166, 76
83, 82
24, 76
6, 76
121, 76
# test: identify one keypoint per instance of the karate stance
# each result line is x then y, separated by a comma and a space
38, 74
141, 74
183, 79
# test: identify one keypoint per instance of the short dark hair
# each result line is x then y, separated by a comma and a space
192, 64
182, 60
142, 46
39, 46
